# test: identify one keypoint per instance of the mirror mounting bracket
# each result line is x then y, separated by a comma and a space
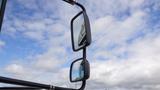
72, 2
81, 6
84, 53
83, 85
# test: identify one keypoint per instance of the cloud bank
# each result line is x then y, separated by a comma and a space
124, 54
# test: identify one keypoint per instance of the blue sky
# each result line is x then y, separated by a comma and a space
124, 55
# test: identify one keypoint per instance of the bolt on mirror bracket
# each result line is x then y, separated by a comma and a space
83, 85
70, 1
73, 2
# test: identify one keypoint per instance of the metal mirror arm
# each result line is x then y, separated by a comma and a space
69, 1
33, 88
28, 85
23, 83
81, 6
84, 82
83, 85
19, 88
84, 53
72, 2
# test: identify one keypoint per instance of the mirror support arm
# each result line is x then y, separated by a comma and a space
83, 82
72, 2
29, 85
81, 6
23, 83
83, 85
84, 53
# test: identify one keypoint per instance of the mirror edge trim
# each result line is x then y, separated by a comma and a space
71, 70
86, 69
87, 27
73, 47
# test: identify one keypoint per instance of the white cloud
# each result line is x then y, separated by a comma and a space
113, 23
135, 3
137, 70
109, 30
15, 69
141, 70
49, 60
2, 43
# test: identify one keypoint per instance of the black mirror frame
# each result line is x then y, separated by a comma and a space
87, 28
86, 69
2, 10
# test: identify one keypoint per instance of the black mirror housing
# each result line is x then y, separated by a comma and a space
82, 72
84, 38
88, 29
2, 10
70, 1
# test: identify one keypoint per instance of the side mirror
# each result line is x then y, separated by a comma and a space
2, 9
80, 70
80, 31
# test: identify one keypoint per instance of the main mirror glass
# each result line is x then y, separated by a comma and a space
77, 71
79, 32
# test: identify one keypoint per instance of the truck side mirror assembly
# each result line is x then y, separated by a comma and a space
79, 70
81, 38
2, 10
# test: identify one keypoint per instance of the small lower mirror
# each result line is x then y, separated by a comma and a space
79, 70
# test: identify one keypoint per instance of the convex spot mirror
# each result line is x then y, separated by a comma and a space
80, 31
80, 70
2, 9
